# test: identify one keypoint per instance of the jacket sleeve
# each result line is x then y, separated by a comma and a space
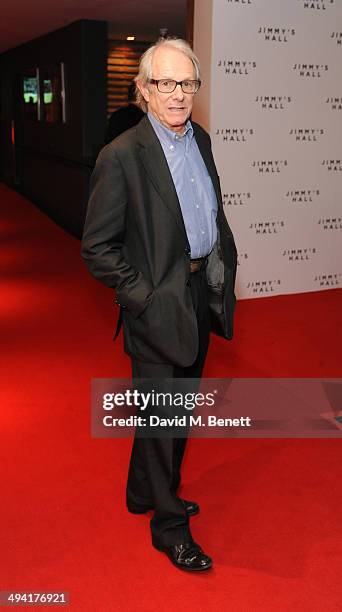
104, 235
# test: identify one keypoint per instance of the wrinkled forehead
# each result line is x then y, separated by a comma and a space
169, 62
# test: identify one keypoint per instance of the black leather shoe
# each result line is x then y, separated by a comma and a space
192, 508
188, 556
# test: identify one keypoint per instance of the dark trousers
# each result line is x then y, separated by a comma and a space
155, 466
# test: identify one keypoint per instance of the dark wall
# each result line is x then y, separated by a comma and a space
51, 162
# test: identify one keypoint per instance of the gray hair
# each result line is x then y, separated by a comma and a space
145, 65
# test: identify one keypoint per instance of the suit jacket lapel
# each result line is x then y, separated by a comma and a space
156, 166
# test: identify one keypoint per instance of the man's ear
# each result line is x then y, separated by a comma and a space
144, 91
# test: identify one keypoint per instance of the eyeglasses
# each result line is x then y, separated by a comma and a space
169, 85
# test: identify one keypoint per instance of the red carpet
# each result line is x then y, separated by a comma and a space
270, 509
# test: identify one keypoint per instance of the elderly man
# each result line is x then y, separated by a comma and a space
156, 233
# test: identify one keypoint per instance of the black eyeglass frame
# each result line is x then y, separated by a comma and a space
157, 81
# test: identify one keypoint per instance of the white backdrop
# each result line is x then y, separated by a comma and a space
272, 101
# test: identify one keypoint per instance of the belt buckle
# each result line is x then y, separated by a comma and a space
197, 264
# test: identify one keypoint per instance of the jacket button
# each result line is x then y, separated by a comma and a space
187, 251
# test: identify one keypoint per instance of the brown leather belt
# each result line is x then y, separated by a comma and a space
197, 264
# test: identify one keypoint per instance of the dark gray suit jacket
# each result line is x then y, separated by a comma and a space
135, 241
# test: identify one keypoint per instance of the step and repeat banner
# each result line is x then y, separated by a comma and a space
275, 118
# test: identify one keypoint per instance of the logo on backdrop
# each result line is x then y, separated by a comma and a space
234, 134
330, 223
242, 258
281, 35
269, 166
337, 37
319, 5
306, 134
332, 165
302, 196
264, 228
336, 103
328, 280
311, 70
236, 199
240, 2
299, 254
236, 67
273, 102
263, 286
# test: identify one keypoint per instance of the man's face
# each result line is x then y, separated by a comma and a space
171, 109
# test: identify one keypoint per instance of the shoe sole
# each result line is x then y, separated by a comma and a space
143, 511
191, 569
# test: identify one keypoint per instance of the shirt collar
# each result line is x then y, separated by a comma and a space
169, 136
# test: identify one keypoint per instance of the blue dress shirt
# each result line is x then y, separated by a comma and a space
193, 185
